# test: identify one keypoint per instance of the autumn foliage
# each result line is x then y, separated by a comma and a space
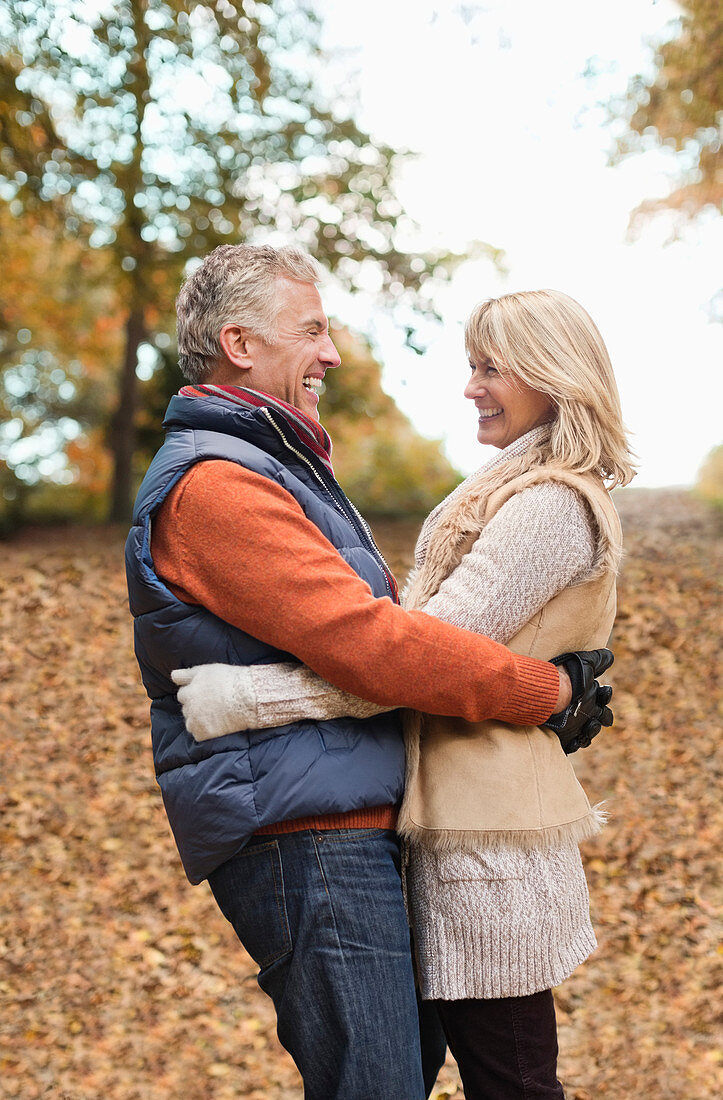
679, 107
385, 466
119, 981
148, 134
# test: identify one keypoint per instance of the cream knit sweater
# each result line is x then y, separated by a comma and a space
499, 923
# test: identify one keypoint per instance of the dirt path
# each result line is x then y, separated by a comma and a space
119, 981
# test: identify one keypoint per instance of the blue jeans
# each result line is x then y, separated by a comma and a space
322, 915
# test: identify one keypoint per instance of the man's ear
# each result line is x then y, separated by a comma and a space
235, 344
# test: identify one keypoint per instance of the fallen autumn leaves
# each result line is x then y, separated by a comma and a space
120, 981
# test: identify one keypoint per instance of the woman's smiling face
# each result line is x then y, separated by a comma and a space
507, 406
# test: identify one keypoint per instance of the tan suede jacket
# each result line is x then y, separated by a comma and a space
490, 783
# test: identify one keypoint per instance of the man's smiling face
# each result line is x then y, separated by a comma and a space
292, 368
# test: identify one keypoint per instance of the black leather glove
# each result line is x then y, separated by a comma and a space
587, 712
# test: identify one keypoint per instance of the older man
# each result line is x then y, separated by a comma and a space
245, 550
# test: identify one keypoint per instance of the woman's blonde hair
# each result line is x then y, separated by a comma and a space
547, 340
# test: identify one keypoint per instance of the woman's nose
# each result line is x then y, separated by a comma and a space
474, 388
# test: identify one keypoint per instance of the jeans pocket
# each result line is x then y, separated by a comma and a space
249, 890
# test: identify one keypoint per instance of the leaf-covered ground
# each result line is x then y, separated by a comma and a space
120, 981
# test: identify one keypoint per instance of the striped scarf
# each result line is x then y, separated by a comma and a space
307, 431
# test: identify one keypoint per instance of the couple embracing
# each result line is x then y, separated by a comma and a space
277, 655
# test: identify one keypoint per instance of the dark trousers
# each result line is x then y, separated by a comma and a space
506, 1048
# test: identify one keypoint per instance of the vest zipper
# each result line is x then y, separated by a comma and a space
365, 529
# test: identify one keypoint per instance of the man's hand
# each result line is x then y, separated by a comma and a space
587, 712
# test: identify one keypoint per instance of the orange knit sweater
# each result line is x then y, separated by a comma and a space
240, 545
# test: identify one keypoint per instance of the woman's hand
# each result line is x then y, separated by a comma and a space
216, 699
588, 711
564, 691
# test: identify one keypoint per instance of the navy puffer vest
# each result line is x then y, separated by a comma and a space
217, 793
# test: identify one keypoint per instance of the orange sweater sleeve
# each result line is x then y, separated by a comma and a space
240, 545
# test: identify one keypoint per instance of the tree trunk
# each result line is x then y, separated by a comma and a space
123, 424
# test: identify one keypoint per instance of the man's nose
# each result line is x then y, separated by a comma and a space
328, 353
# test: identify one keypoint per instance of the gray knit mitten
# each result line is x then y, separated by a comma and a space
216, 699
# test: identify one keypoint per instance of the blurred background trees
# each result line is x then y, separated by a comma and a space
680, 107
135, 137
710, 478
385, 466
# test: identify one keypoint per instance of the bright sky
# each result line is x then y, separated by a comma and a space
513, 151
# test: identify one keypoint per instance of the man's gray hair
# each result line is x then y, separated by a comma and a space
236, 283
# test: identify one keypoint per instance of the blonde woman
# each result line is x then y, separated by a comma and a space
524, 551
